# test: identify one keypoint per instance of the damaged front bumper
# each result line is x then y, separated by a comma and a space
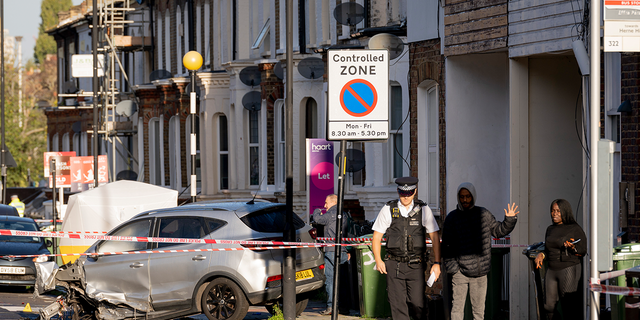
81, 298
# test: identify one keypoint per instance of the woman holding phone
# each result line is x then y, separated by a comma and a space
565, 244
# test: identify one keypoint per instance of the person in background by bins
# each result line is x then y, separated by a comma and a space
328, 220
405, 222
16, 203
565, 245
466, 249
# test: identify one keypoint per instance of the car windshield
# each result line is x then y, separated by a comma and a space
270, 220
20, 226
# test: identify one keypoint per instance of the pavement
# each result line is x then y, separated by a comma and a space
312, 312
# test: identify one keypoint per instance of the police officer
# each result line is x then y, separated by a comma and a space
16, 203
404, 220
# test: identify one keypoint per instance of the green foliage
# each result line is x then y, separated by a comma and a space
45, 44
278, 315
25, 133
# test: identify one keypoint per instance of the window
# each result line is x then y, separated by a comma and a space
396, 129
187, 228
175, 168
432, 139
156, 159
223, 148
167, 41
139, 228
80, 144
179, 36
54, 143
159, 36
270, 220
65, 142
281, 145
311, 119
254, 148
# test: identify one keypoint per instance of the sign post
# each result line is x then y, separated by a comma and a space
358, 107
358, 90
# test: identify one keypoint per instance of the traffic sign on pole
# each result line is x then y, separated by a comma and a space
358, 90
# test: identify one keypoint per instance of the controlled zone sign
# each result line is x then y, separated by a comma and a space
358, 90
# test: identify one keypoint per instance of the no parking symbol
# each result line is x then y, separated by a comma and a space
358, 97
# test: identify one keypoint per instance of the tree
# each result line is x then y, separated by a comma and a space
45, 44
25, 133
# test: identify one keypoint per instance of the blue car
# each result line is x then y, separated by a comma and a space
20, 271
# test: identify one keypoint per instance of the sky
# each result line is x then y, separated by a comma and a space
22, 18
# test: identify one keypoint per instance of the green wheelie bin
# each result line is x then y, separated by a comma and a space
624, 257
372, 285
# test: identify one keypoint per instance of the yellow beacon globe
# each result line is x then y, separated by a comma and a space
192, 60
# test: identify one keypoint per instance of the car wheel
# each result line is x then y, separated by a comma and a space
223, 299
300, 306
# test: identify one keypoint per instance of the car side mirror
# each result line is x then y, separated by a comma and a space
48, 243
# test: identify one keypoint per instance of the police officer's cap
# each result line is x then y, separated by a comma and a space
407, 183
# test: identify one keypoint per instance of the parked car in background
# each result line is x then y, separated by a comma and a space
191, 280
16, 271
6, 210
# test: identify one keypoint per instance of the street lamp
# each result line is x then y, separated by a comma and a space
193, 61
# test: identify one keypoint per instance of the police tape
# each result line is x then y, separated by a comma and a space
159, 251
614, 290
494, 245
5, 232
44, 220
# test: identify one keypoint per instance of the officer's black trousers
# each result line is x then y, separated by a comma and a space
405, 289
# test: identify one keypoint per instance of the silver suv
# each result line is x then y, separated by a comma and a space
220, 284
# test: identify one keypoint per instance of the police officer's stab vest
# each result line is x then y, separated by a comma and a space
406, 236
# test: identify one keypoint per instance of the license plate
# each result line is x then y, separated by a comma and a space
17, 270
304, 274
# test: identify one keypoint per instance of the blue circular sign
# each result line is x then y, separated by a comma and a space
358, 97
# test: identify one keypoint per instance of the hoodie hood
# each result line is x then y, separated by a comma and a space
471, 189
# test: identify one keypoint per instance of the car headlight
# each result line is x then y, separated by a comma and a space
42, 258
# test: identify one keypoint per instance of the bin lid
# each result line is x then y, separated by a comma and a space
627, 251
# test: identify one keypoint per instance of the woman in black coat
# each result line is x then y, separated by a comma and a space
565, 244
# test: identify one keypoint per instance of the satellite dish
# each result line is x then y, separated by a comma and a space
37, 202
250, 76
70, 86
188, 90
387, 41
252, 101
159, 75
126, 108
278, 70
76, 127
311, 68
349, 13
355, 160
127, 175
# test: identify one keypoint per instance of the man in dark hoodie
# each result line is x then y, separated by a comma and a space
328, 220
466, 249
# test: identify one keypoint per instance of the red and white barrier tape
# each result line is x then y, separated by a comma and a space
160, 251
494, 245
43, 220
612, 274
632, 305
6, 232
79, 232
615, 290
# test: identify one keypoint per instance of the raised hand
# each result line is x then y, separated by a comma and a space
512, 210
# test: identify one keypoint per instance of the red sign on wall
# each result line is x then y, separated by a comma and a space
82, 175
63, 168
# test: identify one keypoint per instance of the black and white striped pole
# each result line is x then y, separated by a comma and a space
193, 61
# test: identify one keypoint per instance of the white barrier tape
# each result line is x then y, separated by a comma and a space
5, 232
160, 251
615, 290
79, 232
612, 274
494, 245
632, 305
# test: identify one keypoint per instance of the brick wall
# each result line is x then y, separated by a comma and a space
272, 89
427, 63
630, 138
61, 122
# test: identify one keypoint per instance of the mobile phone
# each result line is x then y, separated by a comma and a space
574, 242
